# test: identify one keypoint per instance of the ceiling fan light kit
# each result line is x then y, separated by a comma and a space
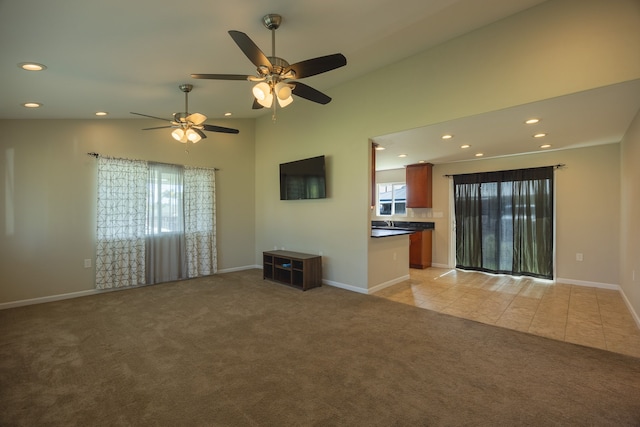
276, 78
188, 127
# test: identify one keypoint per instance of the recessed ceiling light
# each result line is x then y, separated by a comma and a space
465, 146
421, 161
32, 66
545, 146
101, 113
32, 104
479, 154
532, 121
227, 114
447, 136
380, 148
539, 135
402, 155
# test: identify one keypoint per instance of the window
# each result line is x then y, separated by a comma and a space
155, 223
164, 202
392, 199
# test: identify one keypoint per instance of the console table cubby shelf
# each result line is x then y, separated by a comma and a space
302, 271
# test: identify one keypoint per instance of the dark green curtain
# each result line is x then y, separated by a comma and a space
504, 222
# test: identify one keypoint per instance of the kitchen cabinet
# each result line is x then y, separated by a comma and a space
419, 185
420, 249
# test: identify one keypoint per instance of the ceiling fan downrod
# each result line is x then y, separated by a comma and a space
272, 21
186, 88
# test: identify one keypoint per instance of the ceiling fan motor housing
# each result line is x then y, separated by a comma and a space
278, 65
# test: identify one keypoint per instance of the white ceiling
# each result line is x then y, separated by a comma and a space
598, 116
121, 56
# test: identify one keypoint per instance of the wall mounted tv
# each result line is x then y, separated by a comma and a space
303, 179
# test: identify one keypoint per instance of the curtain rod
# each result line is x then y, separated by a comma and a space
96, 155
558, 166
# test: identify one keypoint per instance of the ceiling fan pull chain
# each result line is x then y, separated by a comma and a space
273, 116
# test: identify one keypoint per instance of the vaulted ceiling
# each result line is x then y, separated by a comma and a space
120, 56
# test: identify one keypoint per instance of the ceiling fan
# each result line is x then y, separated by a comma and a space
188, 127
275, 76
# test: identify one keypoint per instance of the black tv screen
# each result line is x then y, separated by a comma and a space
303, 179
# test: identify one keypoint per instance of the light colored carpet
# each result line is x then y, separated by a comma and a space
234, 350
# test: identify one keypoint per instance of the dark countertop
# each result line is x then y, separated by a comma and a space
399, 228
382, 232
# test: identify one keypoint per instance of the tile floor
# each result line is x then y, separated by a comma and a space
588, 316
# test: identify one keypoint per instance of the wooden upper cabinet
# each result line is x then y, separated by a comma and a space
419, 192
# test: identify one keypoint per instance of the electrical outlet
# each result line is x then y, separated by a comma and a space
395, 256
87, 263
579, 257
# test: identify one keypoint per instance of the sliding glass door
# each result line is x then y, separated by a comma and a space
504, 222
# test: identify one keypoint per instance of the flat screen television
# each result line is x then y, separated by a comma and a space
303, 179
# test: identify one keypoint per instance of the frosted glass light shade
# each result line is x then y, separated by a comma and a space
178, 134
283, 92
263, 95
193, 136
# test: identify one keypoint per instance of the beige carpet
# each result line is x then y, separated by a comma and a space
234, 350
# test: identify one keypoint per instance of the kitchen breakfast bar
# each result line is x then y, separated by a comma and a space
391, 254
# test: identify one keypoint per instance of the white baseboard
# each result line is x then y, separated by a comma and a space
51, 298
589, 284
345, 286
441, 266
246, 267
630, 307
60, 297
392, 282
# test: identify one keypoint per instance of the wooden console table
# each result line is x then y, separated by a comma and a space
302, 271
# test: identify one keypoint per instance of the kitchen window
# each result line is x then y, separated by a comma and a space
392, 199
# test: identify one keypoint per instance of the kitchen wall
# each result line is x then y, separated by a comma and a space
48, 196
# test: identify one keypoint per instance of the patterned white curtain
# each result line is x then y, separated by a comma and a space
122, 198
200, 221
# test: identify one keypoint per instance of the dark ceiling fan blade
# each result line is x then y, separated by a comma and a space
158, 127
318, 65
250, 49
213, 128
256, 105
221, 76
307, 92
152, 117
199, 132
